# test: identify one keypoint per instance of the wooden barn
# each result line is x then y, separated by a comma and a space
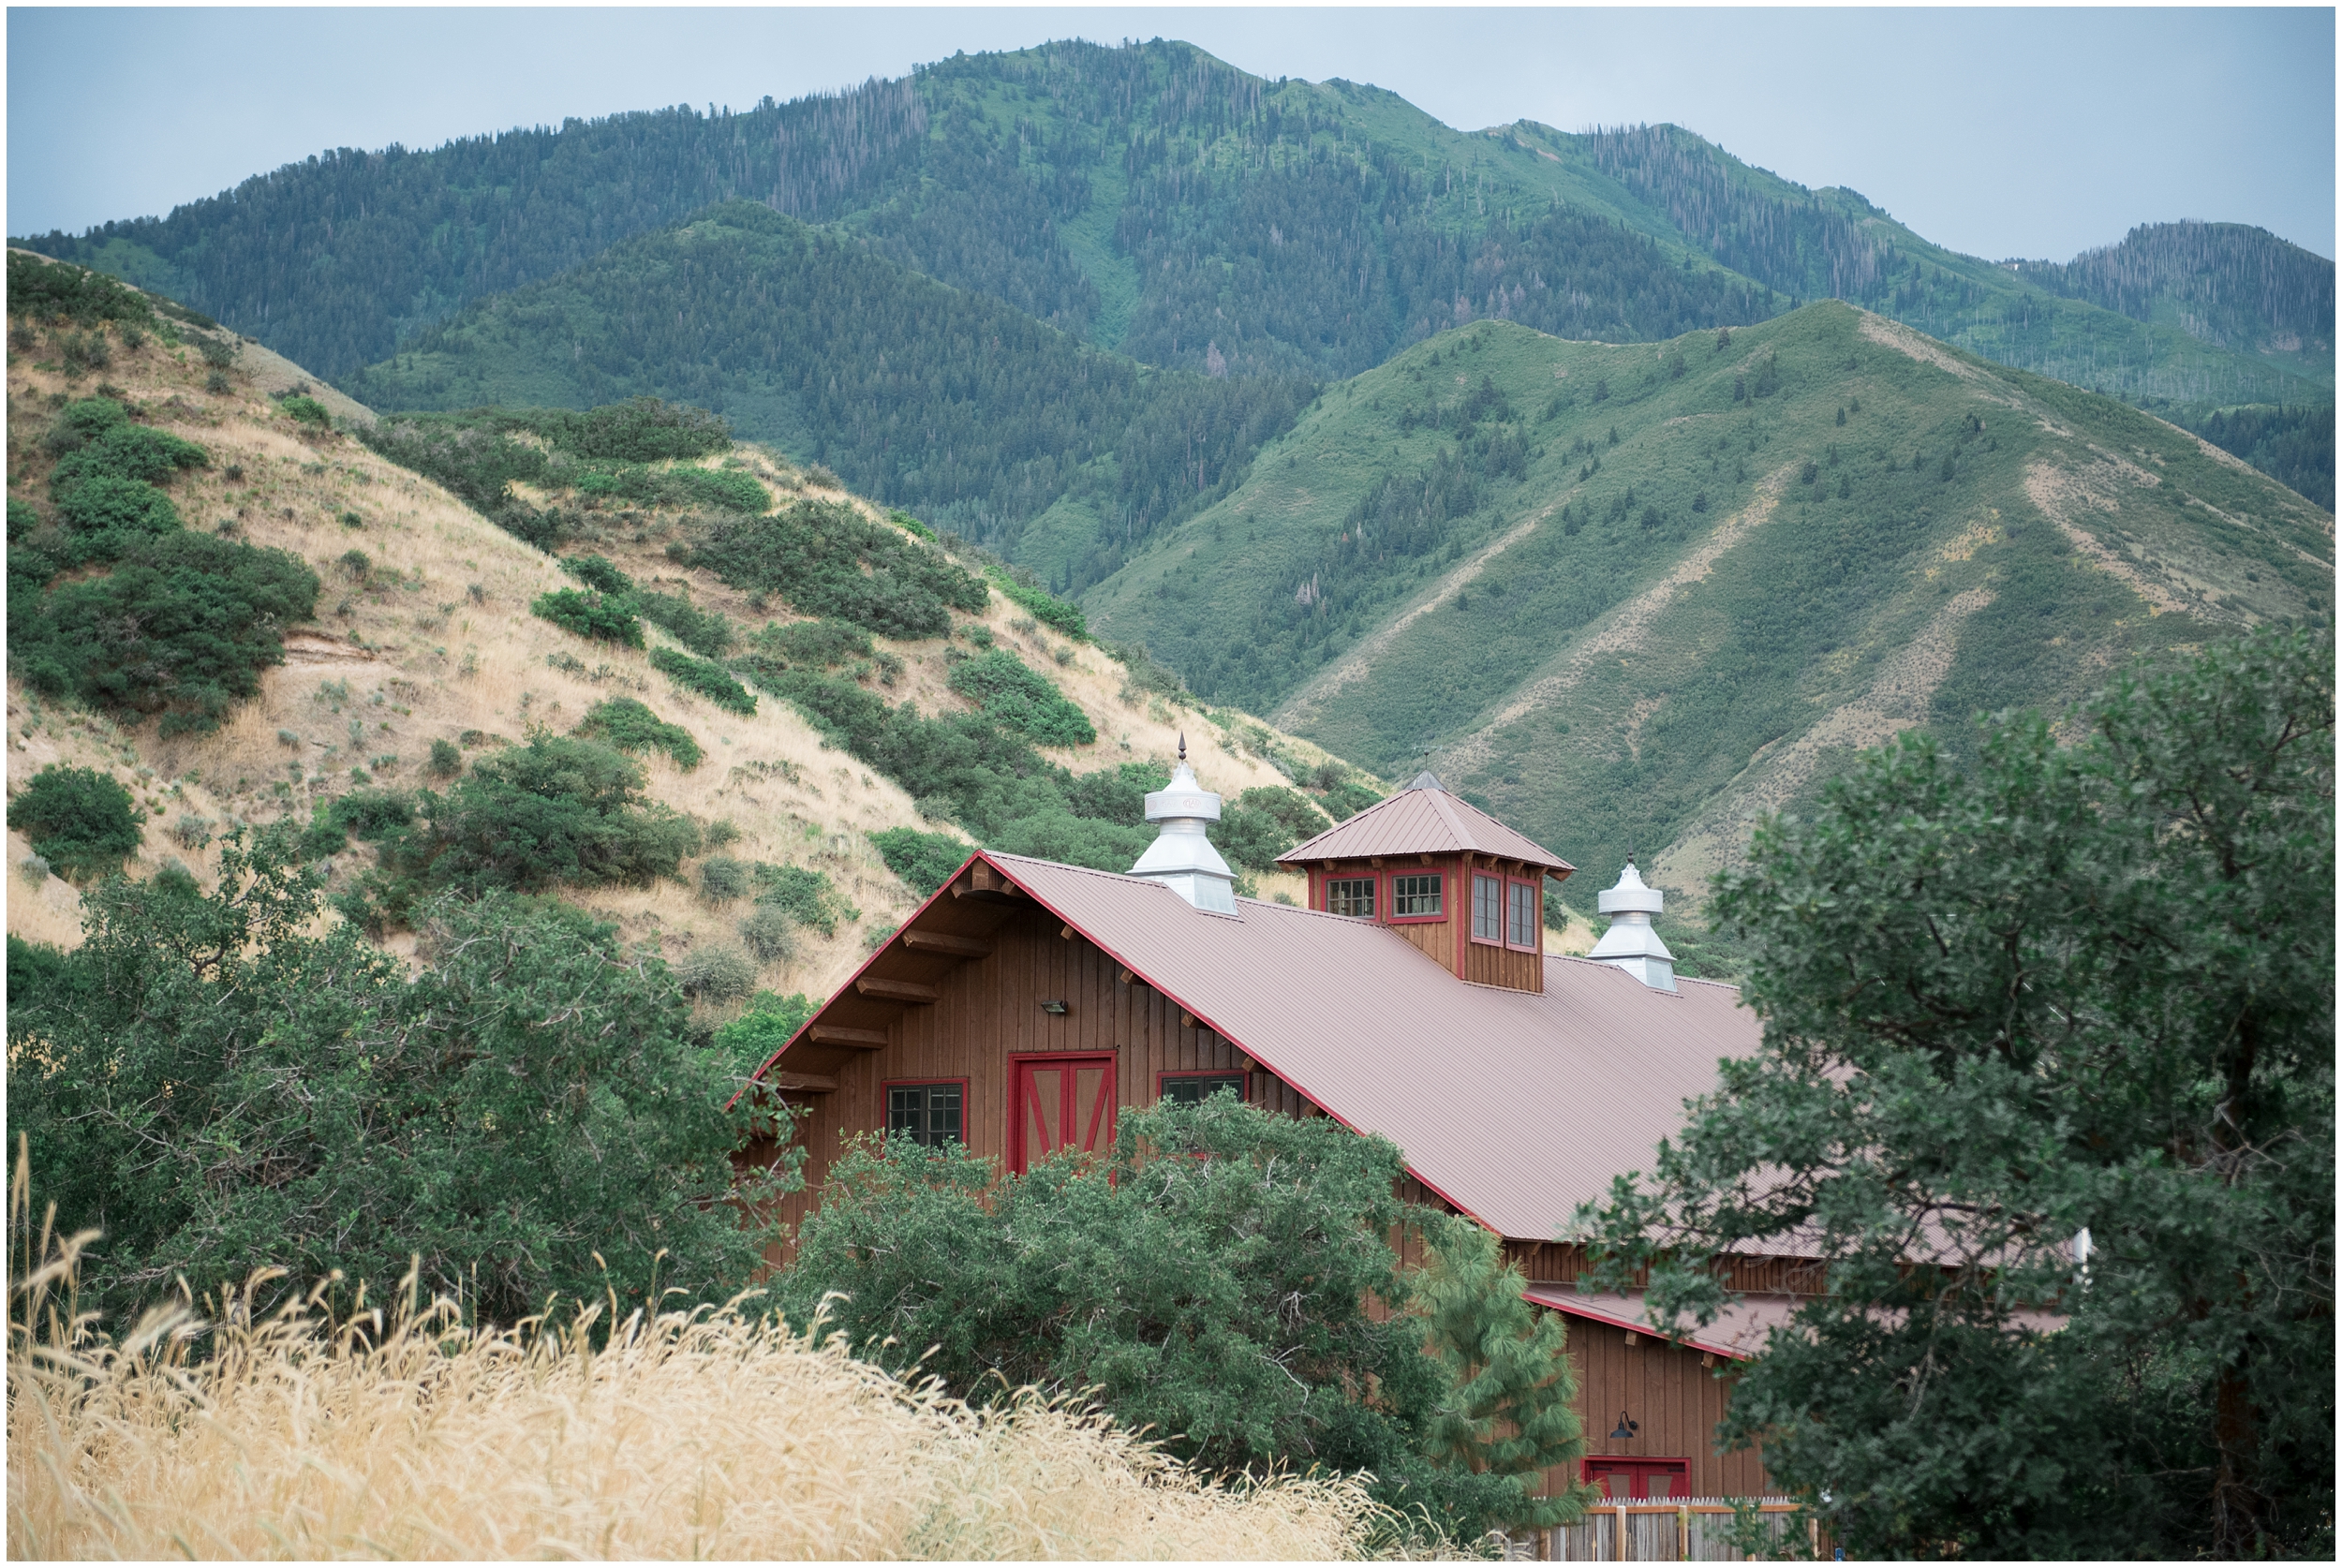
1027, 1003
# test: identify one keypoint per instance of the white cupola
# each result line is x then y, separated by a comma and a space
1630, 943
1181, 856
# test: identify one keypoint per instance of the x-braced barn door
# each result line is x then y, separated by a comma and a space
1061, 1102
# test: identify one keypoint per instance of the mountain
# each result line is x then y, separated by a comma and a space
1153, 200
2224, 283
918, 393
1631, 596
420, 652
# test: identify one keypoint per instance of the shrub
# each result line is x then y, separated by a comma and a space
829, 560
723, 490
23, 519
307, 410
803, 896
807, 646
710, 680
922, 860
84, 822
1346, 801
1046, 607
1263, 823
36, 871
770, 934
373, 814
192, 831
723, 879
129, 451
446, 760
716, 973
219, 352
244, 1086
909, 524
1020, 699
109, 505
598, 572
640, 430
182, 627
704, 631
630, 726
357, 563
47, 290
590, 615
556, 810
751, 1041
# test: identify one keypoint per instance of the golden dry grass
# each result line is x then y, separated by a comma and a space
437, 641
697, 1434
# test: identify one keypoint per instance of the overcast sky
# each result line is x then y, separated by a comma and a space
2003, 132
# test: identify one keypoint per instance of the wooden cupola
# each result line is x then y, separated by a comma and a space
1460, 885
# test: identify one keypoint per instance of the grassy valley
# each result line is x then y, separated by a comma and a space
1632, 596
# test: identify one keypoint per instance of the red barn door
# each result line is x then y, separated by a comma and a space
1061, 1102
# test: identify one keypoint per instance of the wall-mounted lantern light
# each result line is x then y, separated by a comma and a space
1625, 1431
1054, 1009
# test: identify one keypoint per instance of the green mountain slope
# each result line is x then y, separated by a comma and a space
919, 394
1634, 595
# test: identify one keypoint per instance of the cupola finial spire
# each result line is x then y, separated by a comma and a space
1630, 943
1182, 856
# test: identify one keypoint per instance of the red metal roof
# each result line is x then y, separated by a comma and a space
1515, 1107
1739, 1330
1423, 820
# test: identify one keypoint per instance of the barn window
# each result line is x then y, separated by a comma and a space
1415, 897
926, 1113
1351, 896
1194, 1089
1521, 930
1488, 909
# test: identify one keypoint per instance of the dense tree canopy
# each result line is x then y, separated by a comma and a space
2059, 1031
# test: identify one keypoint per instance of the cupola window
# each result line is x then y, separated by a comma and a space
1521, 929
1416, 897
1488, 909
1351, 896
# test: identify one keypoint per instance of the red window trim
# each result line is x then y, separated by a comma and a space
1537, 899
1111, 1055
965, 1088
1169, 1072
1503, 910
1681, 1467
1390, 896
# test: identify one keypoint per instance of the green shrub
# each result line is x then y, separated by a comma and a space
723, 878
558, 810
829, 560
231, 1082
752, 1038
183, 626
922, 860
306, 411
1263, 823
23, 519
128, 451
630, 726
710, 680
640, 430
81, 821
803, 896
373, 814
446, 760
723, 490
47, 290
808, 645
770, 934
1020, 699
716, 973
114, 510
1345, 800
605, 619
598, 572
707, 632
905, 521
1046, 607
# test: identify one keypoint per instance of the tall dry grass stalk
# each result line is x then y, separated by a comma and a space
691, 1434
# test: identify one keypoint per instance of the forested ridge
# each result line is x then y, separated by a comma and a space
2231, 283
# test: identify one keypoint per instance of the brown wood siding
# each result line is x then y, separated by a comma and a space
1675, 1401
1486, 965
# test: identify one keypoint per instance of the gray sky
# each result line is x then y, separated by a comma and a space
2001, 132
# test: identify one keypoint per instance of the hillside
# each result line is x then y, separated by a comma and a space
424, 641
1634, 595
1155, 200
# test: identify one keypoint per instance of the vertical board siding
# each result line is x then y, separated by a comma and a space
1675, 1401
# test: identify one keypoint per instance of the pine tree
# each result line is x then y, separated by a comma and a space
1510, 1413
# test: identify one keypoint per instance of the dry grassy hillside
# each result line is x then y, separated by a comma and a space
433, 640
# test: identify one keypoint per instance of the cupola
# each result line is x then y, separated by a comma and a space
1182, 856
1630, 943
1462, 887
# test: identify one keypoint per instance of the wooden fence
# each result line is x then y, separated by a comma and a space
1682, 1530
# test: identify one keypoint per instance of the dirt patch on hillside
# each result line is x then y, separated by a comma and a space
1896, 700
1626, 628
2063, 494
1305, 705
1903, 340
